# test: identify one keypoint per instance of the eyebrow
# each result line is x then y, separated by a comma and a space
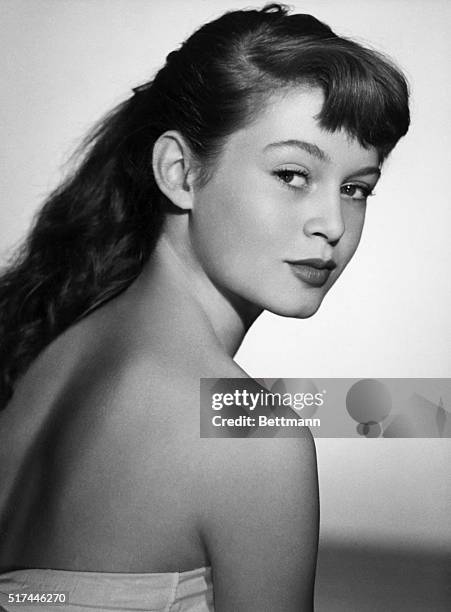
367, 170
308, 147
315, 151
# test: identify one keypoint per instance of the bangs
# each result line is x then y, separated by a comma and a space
365, 93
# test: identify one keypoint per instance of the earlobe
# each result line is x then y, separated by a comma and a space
171, 163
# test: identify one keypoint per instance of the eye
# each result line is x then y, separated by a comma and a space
294, 179
356, 192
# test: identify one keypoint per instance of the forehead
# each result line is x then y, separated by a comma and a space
292, 116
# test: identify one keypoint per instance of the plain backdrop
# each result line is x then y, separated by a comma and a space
63, 63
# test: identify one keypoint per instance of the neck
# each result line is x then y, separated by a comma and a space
175, 282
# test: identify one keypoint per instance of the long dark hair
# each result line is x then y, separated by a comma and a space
95, 232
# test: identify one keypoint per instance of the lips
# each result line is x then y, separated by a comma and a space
315, 272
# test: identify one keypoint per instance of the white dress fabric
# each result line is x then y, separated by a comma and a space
190, 591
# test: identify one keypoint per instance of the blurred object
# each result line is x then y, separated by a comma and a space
420, 419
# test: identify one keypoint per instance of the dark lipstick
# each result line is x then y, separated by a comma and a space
314, 271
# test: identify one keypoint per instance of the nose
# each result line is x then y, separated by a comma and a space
326, 219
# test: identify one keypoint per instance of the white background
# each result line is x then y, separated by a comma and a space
63, 63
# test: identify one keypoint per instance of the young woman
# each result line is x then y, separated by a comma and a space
233, 182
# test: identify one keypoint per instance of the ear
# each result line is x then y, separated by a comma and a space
172, 163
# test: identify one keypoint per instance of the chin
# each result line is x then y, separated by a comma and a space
295, 310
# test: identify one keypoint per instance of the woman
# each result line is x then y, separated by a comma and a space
233, 182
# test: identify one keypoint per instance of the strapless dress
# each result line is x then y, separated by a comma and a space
190, 591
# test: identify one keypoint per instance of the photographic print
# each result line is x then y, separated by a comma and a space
224, 306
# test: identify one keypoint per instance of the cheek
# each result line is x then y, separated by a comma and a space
236, 226
354, 222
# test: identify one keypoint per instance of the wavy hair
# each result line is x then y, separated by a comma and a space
95, 232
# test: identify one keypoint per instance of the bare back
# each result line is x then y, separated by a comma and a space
97, 451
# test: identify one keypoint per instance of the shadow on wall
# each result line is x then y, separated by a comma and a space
370, 579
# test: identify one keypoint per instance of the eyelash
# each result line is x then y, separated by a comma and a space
366, 191
285, 171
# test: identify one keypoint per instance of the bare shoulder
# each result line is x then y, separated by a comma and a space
260, 522
257, 507
255, 503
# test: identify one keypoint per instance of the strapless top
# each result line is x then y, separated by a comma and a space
190, 591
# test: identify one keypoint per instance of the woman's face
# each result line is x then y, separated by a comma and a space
283, 212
